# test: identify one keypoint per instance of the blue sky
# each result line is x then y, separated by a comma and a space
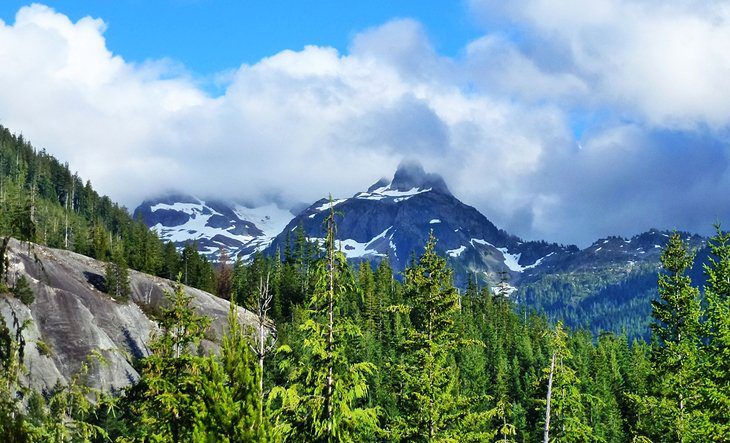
558, 119
209, 36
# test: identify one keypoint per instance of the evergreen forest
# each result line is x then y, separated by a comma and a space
351, 353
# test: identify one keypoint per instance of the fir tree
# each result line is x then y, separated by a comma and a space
171, 375
670, 411
431, 406
22, 290
228, 408
326, 396
716, 361
117, 275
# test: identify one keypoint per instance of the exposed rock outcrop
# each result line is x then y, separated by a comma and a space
71, 318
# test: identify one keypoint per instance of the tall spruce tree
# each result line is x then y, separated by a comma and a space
432, 408
670, 411
716, 361
325, 399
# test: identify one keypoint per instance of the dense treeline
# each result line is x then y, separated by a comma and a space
359, 356
599, 300
43, 202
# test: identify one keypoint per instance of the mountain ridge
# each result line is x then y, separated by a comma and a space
606, 285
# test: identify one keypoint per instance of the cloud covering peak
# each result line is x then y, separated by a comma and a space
540, 144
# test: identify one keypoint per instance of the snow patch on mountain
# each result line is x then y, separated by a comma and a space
511, 260
355, 249
198, 226
214, 224
270, 218
387, 192
538, 262
456, 252
329, 205
189, 208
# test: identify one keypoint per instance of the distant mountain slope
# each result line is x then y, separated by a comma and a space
213, 224
70, 318
606, 286
394, 218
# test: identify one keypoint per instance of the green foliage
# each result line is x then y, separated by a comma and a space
117, 275
325, 397
612, 299
716, 354
568, 419
670, 411
69, 412
228, 408
22, 291
171, 374
44, 348
12, 423
431, 406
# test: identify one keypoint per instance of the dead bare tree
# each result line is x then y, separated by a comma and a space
265, 337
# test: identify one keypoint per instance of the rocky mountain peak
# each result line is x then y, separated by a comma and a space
410, 174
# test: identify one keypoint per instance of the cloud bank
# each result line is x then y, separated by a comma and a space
591, 123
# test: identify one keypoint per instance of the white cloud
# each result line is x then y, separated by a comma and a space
497, 64
297, 124
301, 124
663, 62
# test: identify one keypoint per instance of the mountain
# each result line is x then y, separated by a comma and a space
213, 224
393, 219
70, 318
605, 286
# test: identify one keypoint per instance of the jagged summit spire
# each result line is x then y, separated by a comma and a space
410, 174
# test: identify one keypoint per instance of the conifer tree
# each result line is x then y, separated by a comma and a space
224, 278
386, 323
716, 361
366, 282
171, 375
117, 275
670, 411
12, 346
565, 419
228, 408
22, 290
431, 406
325, 399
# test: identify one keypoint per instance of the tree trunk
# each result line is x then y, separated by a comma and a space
546, 431
330, 314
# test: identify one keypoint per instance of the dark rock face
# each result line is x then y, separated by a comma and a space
394, 219
410, 174
165, 217
73, 318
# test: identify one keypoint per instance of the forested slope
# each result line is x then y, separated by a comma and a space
42, 201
